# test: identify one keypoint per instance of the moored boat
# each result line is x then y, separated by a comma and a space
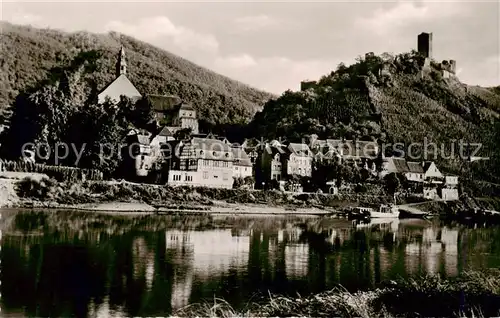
385, 211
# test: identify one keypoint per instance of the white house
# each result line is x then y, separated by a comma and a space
431, 172
300, 160
203, 162
242, 165
415, 172
450, 190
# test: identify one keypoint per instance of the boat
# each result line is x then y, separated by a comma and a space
408, 212
359, 213
385, 211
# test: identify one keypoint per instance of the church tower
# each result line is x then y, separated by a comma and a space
121, 64
121, 84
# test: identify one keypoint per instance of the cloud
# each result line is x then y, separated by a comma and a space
485, 72
254, 23
20, 16
159, 29
274, 74
404, 13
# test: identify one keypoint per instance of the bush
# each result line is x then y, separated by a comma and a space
36, 189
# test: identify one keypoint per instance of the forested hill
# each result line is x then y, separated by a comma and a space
387, 98
32, 57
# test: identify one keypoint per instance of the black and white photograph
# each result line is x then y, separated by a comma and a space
225, 158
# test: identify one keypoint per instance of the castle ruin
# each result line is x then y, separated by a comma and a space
424, 47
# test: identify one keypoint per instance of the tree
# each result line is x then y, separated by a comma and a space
238, 182
393, 182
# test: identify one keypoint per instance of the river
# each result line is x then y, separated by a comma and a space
61, 263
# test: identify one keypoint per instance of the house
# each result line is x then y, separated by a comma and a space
394, 165
242, 165
450, 188
298, 160
147, 154
202, 162
169, 132
172, 111
432, 173
362, 152
433, 179
121, 85
269, 163
415, 172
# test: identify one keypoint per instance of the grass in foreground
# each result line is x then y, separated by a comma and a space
473, 294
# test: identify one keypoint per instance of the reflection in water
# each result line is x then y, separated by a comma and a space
109, 266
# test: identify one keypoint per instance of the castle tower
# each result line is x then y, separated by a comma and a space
121, 64
424, 44
453, 66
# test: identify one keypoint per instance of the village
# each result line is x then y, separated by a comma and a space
178, 154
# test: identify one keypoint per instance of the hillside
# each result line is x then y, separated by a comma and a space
31, 58
387, 98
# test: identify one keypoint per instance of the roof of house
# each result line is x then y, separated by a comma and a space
400, 164
240, 157
427, 165
186, 106
163, 103
169, 131
299, 149
318, 143
213, 149
415, 167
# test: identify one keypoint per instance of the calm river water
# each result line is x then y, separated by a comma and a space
60, 263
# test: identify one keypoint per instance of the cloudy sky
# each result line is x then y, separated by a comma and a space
274, 45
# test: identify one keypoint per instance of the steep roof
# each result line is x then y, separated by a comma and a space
213, 149
415, 167
120, 86
169, 131
300, 149
427, 165
240, 157
164, 103
400, 164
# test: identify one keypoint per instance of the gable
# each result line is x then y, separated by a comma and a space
120, 86
432, 170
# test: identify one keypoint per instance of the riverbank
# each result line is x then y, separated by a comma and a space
28, 190
38, 192
473, 294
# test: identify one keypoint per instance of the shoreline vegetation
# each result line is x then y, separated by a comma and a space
471, 294
32, 190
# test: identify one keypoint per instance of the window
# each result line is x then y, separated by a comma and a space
177, 177
189, 178
205, 174
236, 168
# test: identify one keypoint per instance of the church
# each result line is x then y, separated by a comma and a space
121, 85
170, 111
